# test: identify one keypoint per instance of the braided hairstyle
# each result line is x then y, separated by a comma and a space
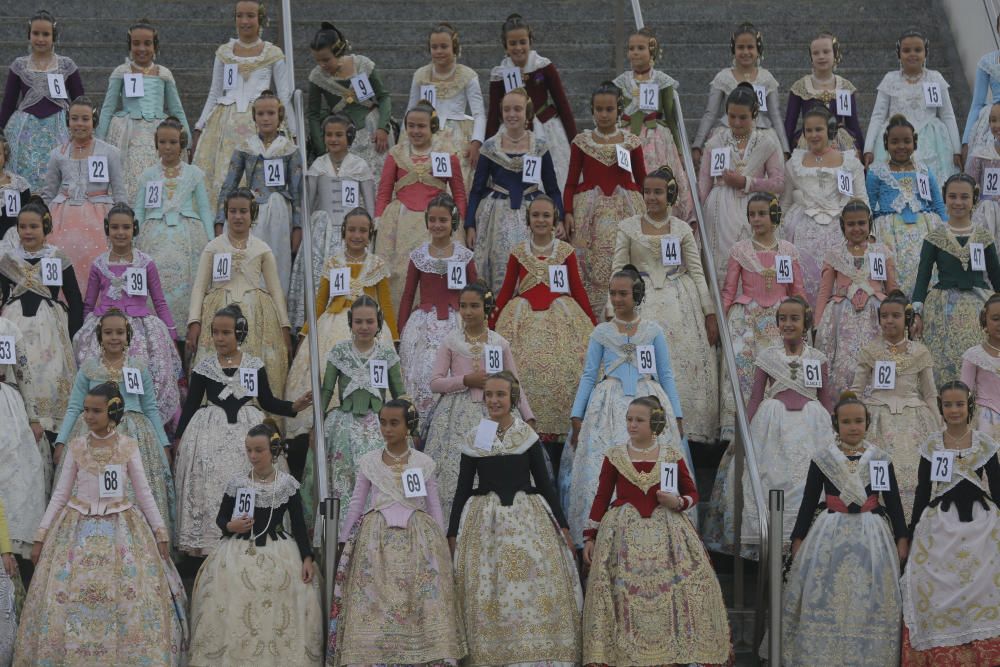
446, 28
970, 398
857, 205
108, 314
838, 52
241, 326
608, 88
172, 123
828, 119
961, 177
657, 415
329, 37
410, 413
116, 404
744, 95
365, 301
542, 198
849, 398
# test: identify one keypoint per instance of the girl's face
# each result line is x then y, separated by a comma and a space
418, 129
995, 121
746, 50
542, 220
518, 46
912, 54
266, 115
637, 422
259, 453
514, 112
439, 223
892, 321
364, 323
901, 143
335, 138
41, 37
168, 145
81, 122
114, 334
851, 423
654, 193
814, 130
30, 231
95, 414
856, 227
993, 321
821, 52
472, 310
496, 395
224, 334
247, 20
605, 112
958, 200
141, 49
238, 216
639, 55
356, 234
392, 424
740, 118
759, 217
442, 51
326, 60
120, 230
620, 294
955, 407
791, 322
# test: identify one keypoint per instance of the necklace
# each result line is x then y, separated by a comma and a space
236, 245
642, 450
250, 45
818, 157
911, 78
82, 147
502, 430
956, 440
116, 257
987, 344
107, 436
478, 340
252, 547
656, 224
143, 70
819, 83
960, 231
516, 140
172, 171
900, 165
628, 325
227, 360
848, 450
444, 77
609, 135
395, 458
354, 259
764, 248
545, 250
739, 138
441, 253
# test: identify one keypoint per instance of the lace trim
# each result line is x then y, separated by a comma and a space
832, 462
116, 284
944, 239
537, 146
975, 457
804, 89
913, 360
83, 456
517, 440
726, 82
275, 494
421, 258
778, 365
537, 270
448, 88
455, 340
644, 481
126, 68
981, 358
606, 154
389, 482
745, 255
373, 271
210, 368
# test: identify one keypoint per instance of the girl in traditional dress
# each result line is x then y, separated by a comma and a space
553, 120
921, 95
530, 302
104, 589
747, 48
824, 88
9, 180
648, 95
678, 298
409, 183
981, 369
904, 210
440, 268
270, 164
395, 560
451, 88
502, 186
458, 375
750, 161
33, 115
34, 308
177, 226
338, 182
602, 188
856, 277
243, 69
949, 586
141, 420
147, 94
231, 270
752, 292
982, 165
598, 414
362, 371
275, 626
209, 453
895, 378
332, 91
23, 479
855, 545
126, 279
819, 181
79, 175
986, 93
515, 574
962, 253
8, 612
673, 581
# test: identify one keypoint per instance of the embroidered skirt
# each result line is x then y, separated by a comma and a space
176, 250
418, 345
22, 475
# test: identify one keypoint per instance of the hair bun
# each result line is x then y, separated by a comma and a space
844, 395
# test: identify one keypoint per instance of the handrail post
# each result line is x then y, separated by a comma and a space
776, 509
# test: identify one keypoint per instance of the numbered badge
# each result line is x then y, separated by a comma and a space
428, 93
8, 350
558, 279
877, 268
977, 256
222, 267
379, 372
884, 375
274, 173
486, 432
441, 165
248, 380
721, 158
845, 182
670, 250
111, 481
668, 477
230, 76
531, 171
133, 381
511, 77
349, 196
991, 182
924, 186
624, 158
845, 102
878, 473
52, 272
812, 373
456, 275
648, 96
761, 93
645, 359
154, 194
12, 202
492, 359
97, 169
340, 281
932, 94
783, 269
57, 87
135, 281
942, 465
413, 483
362, 86
246, 499
134, 85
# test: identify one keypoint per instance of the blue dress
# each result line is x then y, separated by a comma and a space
984, 96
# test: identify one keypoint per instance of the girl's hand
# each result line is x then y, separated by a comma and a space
561, 232
10, 565
57, 453
191, 341
796, 543
669, 500
712, 329
696, 157
451, 545
588, 551
868, 158
569, 226
303, 402
287, 335
475, 379
308, 570
917, 328
381, 145
470, 238
734, 179
472, 152
903, 549
240, 525
959, 161
577, 424
37, 431
36, 553
164, 549
569, 542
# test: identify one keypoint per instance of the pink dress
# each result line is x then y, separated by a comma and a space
981, 371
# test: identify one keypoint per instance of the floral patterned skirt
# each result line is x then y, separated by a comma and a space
418, 345
78, 230
498, 229
176, 250
951, 326
135, 138
399, 232
659, 150
22, 475
841, 335
8, 618
225, 131
753, 328
31, 140
901, 435
364, 145
905, 240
